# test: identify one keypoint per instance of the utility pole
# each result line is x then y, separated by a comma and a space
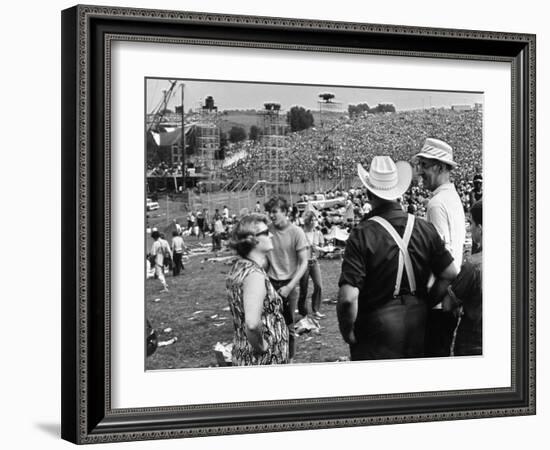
182, 140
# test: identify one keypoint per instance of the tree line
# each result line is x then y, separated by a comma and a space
299, 118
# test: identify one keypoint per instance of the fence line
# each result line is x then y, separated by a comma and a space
239, 200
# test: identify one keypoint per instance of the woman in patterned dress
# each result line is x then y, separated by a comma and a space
261, 335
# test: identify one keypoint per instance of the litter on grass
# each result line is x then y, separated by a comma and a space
168, 342
306, 325
222, 350
223, 259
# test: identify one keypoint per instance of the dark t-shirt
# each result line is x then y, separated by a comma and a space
468, 292
371, 257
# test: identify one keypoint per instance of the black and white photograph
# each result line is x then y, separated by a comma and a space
298, 224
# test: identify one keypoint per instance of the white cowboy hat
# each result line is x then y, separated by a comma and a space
386, 179
439, 150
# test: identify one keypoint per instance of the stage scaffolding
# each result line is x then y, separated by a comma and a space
207, 138
274, 142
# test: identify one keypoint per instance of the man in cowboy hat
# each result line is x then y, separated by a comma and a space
446, 212
383, 300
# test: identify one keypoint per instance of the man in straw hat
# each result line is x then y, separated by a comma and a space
446, 212
383, 300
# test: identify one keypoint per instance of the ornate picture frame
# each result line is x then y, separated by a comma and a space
88, 415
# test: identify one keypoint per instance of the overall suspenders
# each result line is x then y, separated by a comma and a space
404, 257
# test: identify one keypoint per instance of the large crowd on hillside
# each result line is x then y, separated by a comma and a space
333, 151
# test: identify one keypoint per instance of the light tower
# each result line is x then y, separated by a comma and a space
274, 143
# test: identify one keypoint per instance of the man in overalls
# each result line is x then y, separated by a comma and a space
383, 299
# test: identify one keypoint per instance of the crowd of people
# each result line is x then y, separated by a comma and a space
404, 292
163, 169
334, 150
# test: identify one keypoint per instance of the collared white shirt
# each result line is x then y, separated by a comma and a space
446, 213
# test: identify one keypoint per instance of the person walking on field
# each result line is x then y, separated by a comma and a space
201, 224
287, 261
158, 251
178, 247
383, 299
168, 263
446, 212
315, 241
219, 229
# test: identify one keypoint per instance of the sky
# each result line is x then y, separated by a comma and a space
238, 95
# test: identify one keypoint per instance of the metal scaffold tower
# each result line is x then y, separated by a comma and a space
274, 142
207, 137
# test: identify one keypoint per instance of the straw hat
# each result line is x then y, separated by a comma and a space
386, 179
439, 150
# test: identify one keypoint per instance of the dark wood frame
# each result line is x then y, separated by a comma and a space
87, 31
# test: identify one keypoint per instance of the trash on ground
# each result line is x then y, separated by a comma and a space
214, 316
223, 259
197, 312
156, 300
168, 342
226, 308
198, 251
168, 330
219, 324
306, 324
222, 350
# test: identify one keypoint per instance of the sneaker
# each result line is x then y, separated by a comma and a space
318, 315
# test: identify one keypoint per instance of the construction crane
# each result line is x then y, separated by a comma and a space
160, 110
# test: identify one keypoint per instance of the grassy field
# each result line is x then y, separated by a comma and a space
196, 312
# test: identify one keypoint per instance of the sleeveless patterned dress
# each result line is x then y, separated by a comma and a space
275, 331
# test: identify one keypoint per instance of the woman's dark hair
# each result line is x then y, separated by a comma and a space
242, 238
175, 233
476, 211
155, 235
276, 202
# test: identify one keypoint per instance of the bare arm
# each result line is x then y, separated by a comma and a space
253, 301
302, 267
321, 241
442, 282
347, 311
